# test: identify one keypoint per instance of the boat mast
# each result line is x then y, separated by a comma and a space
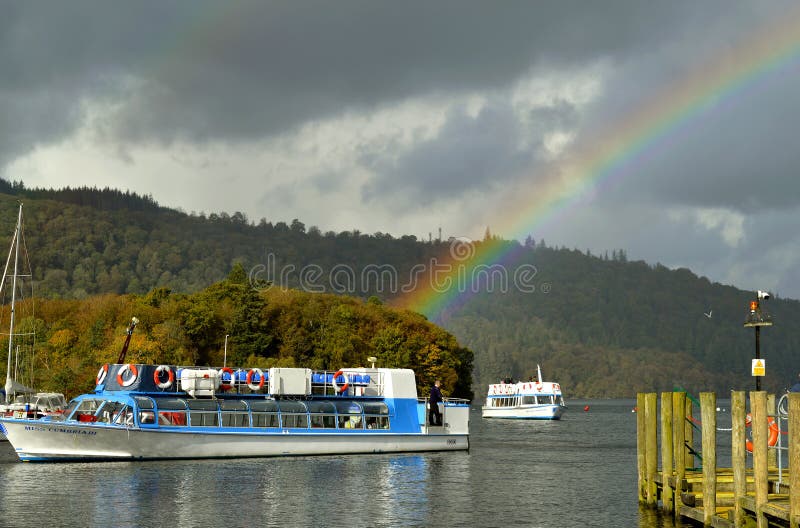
15, 249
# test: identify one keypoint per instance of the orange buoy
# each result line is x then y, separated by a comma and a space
586, 408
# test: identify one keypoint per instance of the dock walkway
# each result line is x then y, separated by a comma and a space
761, 491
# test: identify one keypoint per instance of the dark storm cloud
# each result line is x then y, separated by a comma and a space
468, 153
230, 70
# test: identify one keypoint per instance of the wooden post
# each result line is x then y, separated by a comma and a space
758, 410
688, 435
708, 415
651, 441
772, 454
641, 446
667, 497
738, 456
678, 433
794, 460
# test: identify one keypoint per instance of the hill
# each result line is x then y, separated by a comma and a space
271, 328
605, 327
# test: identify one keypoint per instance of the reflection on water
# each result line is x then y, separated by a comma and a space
580, 471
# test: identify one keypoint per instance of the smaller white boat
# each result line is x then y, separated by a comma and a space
525, 400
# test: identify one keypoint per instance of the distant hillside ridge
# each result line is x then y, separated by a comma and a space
603, 327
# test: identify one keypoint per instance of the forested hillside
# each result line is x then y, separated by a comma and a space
271, 328
602, 326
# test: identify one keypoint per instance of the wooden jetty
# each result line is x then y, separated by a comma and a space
760, 491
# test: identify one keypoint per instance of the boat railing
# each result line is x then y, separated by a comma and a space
446, 402
237, 380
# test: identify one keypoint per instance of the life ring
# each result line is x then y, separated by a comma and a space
101, 374
538, 385
249, 380
774, 432
127, 368
157, 377
224, 385
336, 388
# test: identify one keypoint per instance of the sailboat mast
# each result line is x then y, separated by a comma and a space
15, 249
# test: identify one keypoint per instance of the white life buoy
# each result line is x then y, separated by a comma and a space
157, 377
101, 374
250, 374
336, 388
127, 368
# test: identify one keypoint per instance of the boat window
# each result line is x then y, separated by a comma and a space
322, 414
294, 421
265, 413
349, 415
529, 400
375, 408
86, 410
67, 412
320, 407
203, 413
204, 405
376, 415
144, 403
291, 406
171, 404
233, 405
293, 414
347, 407
108, 412
124, 416
264, 406
234, 413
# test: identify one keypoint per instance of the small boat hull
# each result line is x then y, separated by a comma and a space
531, 412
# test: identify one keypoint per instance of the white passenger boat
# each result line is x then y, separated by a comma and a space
525, 400
142, 412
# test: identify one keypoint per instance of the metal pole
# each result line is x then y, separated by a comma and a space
758, 355
225, 355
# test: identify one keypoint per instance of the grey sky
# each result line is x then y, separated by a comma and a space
402, 117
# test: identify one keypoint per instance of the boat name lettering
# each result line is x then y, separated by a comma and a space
58, 430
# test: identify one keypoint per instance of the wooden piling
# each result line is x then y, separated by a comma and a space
641, 446
708, 415
679, 435
733, 497
772, 454
794, 460
651, 443
667, 497
688, 435
758, 411
738, 456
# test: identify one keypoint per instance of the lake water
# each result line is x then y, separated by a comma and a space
576, 472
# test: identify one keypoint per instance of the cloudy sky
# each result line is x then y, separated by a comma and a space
404, 117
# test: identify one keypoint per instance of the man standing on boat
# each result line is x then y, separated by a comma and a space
434, 415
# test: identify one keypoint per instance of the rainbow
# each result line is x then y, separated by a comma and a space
626, 144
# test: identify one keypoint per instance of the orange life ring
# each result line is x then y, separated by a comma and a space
157, 377
336, 388
249, 380
101, 374
774, 432
222, 384
127, 368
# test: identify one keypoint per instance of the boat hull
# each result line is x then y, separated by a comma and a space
529, 412
58, 441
